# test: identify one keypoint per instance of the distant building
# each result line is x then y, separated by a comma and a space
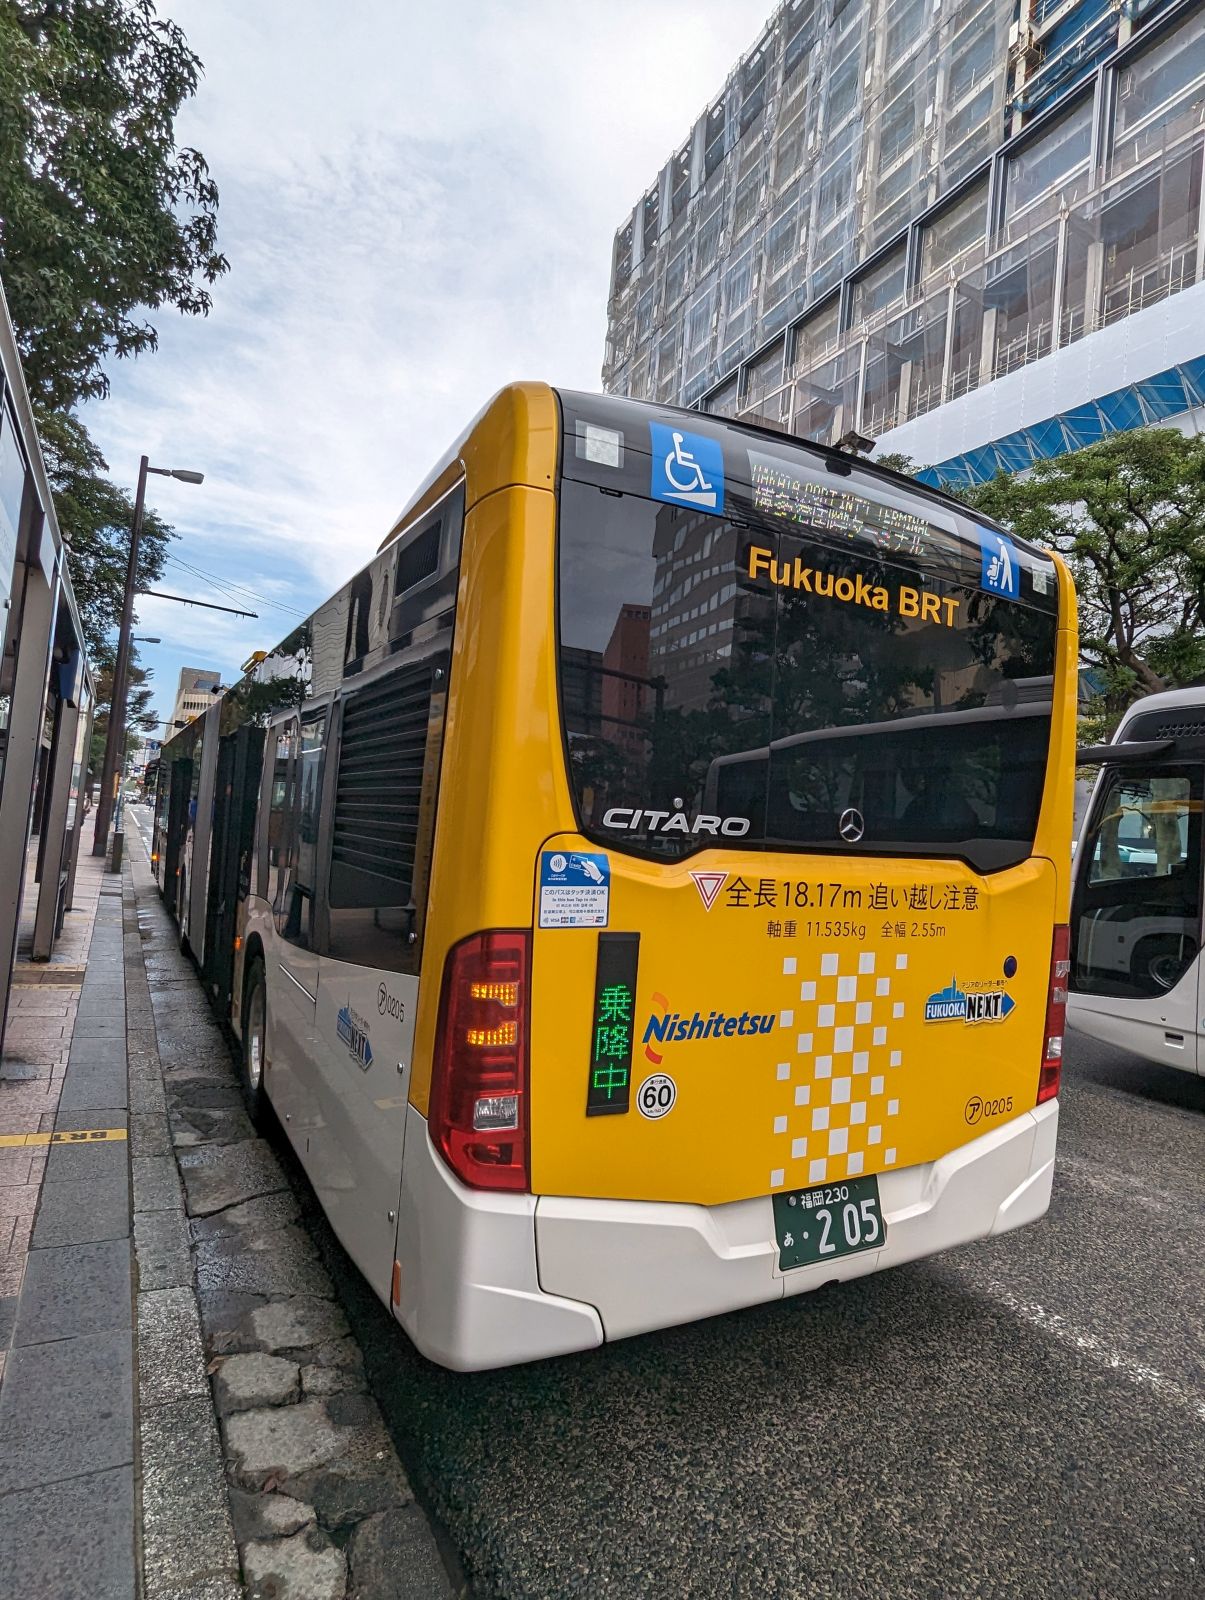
971, 229
194, 694
625, 678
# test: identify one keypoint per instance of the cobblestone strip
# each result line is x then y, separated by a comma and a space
321, 1506
188, 1548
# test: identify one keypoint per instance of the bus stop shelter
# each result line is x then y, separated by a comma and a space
47, 690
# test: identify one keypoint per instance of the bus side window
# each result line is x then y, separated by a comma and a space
1137, 910
296, 915
278, 844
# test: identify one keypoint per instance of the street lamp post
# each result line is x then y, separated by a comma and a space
115, 738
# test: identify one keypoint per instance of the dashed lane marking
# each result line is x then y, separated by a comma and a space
1139, 1373
69, 1136
1123, 1189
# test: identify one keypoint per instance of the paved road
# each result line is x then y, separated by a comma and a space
1025, 1417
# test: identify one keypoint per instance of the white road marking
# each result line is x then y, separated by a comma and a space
1117, 1187
1088, 1344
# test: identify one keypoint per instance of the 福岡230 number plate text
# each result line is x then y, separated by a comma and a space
830, 1220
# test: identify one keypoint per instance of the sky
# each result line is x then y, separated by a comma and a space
418, 204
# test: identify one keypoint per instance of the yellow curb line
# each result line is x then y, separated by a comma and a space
72, 1136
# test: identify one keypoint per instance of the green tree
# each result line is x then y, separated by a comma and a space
96, 518
103, 218
103, 215
1128, 515
140, 718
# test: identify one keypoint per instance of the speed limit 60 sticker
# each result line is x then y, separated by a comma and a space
656, 1095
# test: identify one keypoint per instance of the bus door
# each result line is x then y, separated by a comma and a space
238, 779
1136, 913
294, 747
179, 788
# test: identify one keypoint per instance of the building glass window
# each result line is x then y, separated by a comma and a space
955, 231
1154, 84
1049, 161
876, 289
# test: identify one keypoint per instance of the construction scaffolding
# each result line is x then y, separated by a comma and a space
878, 134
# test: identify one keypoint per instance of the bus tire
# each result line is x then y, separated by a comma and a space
255, 1044
1159, 962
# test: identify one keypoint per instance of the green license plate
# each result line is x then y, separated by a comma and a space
830, 1220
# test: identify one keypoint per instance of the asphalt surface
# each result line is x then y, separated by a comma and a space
1022, 1417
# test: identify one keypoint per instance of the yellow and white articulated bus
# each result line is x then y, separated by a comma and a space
654, 901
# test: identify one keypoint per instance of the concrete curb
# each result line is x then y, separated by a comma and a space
233, 1293
188, 1549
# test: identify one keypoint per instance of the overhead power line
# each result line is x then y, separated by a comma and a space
236, 590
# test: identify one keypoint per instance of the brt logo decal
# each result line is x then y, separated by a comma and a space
672, 1026
960, 1005
688, 469
353, 1030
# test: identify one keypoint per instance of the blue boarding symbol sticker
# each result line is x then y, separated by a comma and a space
688, 469
1001, 572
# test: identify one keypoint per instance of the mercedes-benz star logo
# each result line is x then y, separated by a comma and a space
851, 826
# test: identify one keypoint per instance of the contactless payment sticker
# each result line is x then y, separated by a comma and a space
575, 889
687, 469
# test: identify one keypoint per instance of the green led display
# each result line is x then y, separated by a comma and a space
611, 1027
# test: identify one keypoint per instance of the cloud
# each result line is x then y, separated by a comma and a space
418, 204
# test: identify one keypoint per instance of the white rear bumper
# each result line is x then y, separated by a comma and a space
488, 1280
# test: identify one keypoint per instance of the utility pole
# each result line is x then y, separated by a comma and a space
115, 739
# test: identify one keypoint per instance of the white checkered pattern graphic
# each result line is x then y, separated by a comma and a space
842, 1083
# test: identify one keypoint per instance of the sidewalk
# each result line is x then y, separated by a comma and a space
66, 1396
41, 1024
182, 1410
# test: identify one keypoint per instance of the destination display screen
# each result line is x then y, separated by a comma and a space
788, 492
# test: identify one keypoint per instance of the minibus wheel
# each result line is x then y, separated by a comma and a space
255, 1042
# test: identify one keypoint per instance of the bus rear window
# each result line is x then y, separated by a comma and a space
743, 683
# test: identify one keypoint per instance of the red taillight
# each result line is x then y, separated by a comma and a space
1056, 1014
479, 1090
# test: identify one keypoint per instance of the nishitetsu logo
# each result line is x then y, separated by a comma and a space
961, 1005
675, 1027
353, 1030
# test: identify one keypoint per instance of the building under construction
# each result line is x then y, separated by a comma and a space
970, 231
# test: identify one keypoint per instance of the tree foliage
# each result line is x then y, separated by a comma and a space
102, 214
1128, 515
96, 518
102, 219
140, 716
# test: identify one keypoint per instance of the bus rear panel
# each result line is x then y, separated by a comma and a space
786, 1006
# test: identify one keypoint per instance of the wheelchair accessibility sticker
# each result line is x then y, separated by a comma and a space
575, 889
1000, 573
688, 470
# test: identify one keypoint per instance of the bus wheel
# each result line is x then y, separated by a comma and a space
1160, 963
255, 1040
